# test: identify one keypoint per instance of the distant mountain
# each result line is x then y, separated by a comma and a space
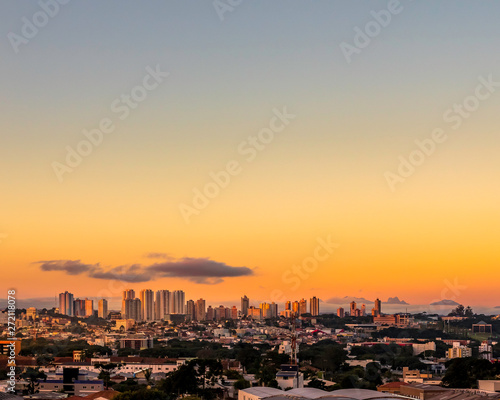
395, 300
497, 307
445, 303
348, 299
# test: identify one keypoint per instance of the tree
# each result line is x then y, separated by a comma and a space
241, 383
464, 373
316, 383
105, 371
265, 375
33, 376
459, 311
142, 394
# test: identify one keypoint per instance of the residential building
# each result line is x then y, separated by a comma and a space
147, 305
66, 303
314, 306
102, 309
245, 304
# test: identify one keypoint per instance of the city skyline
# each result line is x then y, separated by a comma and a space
185, 149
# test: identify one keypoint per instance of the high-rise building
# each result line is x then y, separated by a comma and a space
132, 309
102, 309
254, 313
314, 306
245, 304
273, 310
89, 307
220, 313
31, 313
340, 312
190, 310
295, 307
79, 308
128, 294
302, 306
353, 308
177, 302
162, 304
265, 310
288, 305
378, 307
147, 305
66, 303
269, 310
200, 310
210, 314
363, 310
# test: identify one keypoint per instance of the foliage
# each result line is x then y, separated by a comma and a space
461, 311
465, 372
33, 376
105, 371
142, 394
241, 384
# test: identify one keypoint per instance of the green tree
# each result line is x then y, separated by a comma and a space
33, 376
142, 394
105, 371
464, 373
241, 383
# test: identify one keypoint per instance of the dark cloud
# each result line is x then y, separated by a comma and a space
445, 303
126, 273
198, 270
71, 267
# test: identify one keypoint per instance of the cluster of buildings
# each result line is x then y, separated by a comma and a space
354, 311
165, 305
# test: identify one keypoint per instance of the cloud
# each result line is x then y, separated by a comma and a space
198, 270
395, 300
445, 303
347, 300
165, 256
130, 273
71, 267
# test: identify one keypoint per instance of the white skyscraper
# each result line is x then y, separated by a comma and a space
177, 302
147, 305
66, 303
162, 304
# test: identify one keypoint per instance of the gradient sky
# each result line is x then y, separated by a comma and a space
322, 176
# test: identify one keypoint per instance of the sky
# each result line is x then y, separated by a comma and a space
280, 149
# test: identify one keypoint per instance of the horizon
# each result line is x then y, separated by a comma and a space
281, 148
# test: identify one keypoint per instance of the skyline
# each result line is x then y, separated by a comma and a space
327, 306
169, 145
